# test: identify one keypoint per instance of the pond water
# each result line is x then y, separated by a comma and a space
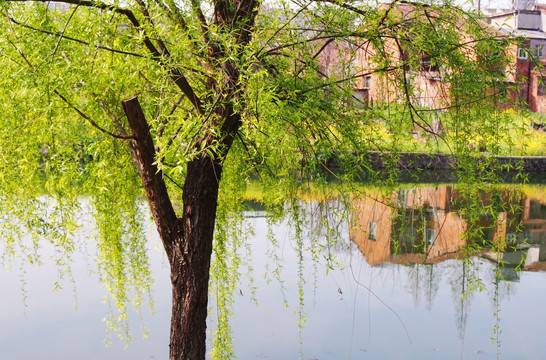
407, 298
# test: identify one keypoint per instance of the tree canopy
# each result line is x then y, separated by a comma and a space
192, 92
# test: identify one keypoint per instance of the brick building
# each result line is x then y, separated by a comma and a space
427, 78
526, 22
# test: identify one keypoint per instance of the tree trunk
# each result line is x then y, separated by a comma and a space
190, 262
187, 240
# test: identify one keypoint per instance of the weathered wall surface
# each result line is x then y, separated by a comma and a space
427, 168
425, 161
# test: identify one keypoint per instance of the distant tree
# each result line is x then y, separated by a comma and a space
200, 89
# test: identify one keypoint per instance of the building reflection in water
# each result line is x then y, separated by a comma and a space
427, 225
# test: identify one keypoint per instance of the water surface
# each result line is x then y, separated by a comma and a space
408, 299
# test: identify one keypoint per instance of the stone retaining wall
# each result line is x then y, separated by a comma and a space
427, 161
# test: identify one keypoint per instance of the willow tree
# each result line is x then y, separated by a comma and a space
184, 91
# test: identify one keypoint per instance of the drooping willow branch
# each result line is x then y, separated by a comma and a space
79, 41
91, 121
162, 55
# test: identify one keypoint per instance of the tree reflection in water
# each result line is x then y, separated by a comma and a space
424, 248
412, 262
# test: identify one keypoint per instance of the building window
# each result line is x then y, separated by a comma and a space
523, 54
539, 51
541, 89
367, 82
511, 237
427, 64
431, 236
372, 232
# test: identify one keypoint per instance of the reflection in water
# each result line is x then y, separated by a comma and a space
426, 225
408, 279
451, 309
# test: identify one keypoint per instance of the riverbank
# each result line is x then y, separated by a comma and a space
438, 161
440, 167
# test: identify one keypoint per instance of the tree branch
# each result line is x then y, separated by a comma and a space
160, 44
274, 35
172, 11
115, 120
162, 56
319, 37
143, 151
79, 41
345, 6
202, 20
61, 35
123, 137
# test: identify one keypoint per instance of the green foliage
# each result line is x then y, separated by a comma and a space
65, 70
231, 255
293, 99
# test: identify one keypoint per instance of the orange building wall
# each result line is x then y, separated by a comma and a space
368, 210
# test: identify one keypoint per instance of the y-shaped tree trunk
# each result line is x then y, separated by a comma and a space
187, 240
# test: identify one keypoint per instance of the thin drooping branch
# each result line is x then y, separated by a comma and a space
61, 35
319, 37
115, 119
85, 3
91, 121
173, 12
175, 106
317, 53
79, 41
162, 56
346, 6
202, 20
343, 80
160, 44
281, 28
18, 49
143, 151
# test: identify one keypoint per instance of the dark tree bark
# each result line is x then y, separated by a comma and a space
190, 260
143, 151
187, 240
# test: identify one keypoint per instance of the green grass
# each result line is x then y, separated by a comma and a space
517, 138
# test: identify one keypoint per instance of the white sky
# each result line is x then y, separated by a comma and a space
502, 4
